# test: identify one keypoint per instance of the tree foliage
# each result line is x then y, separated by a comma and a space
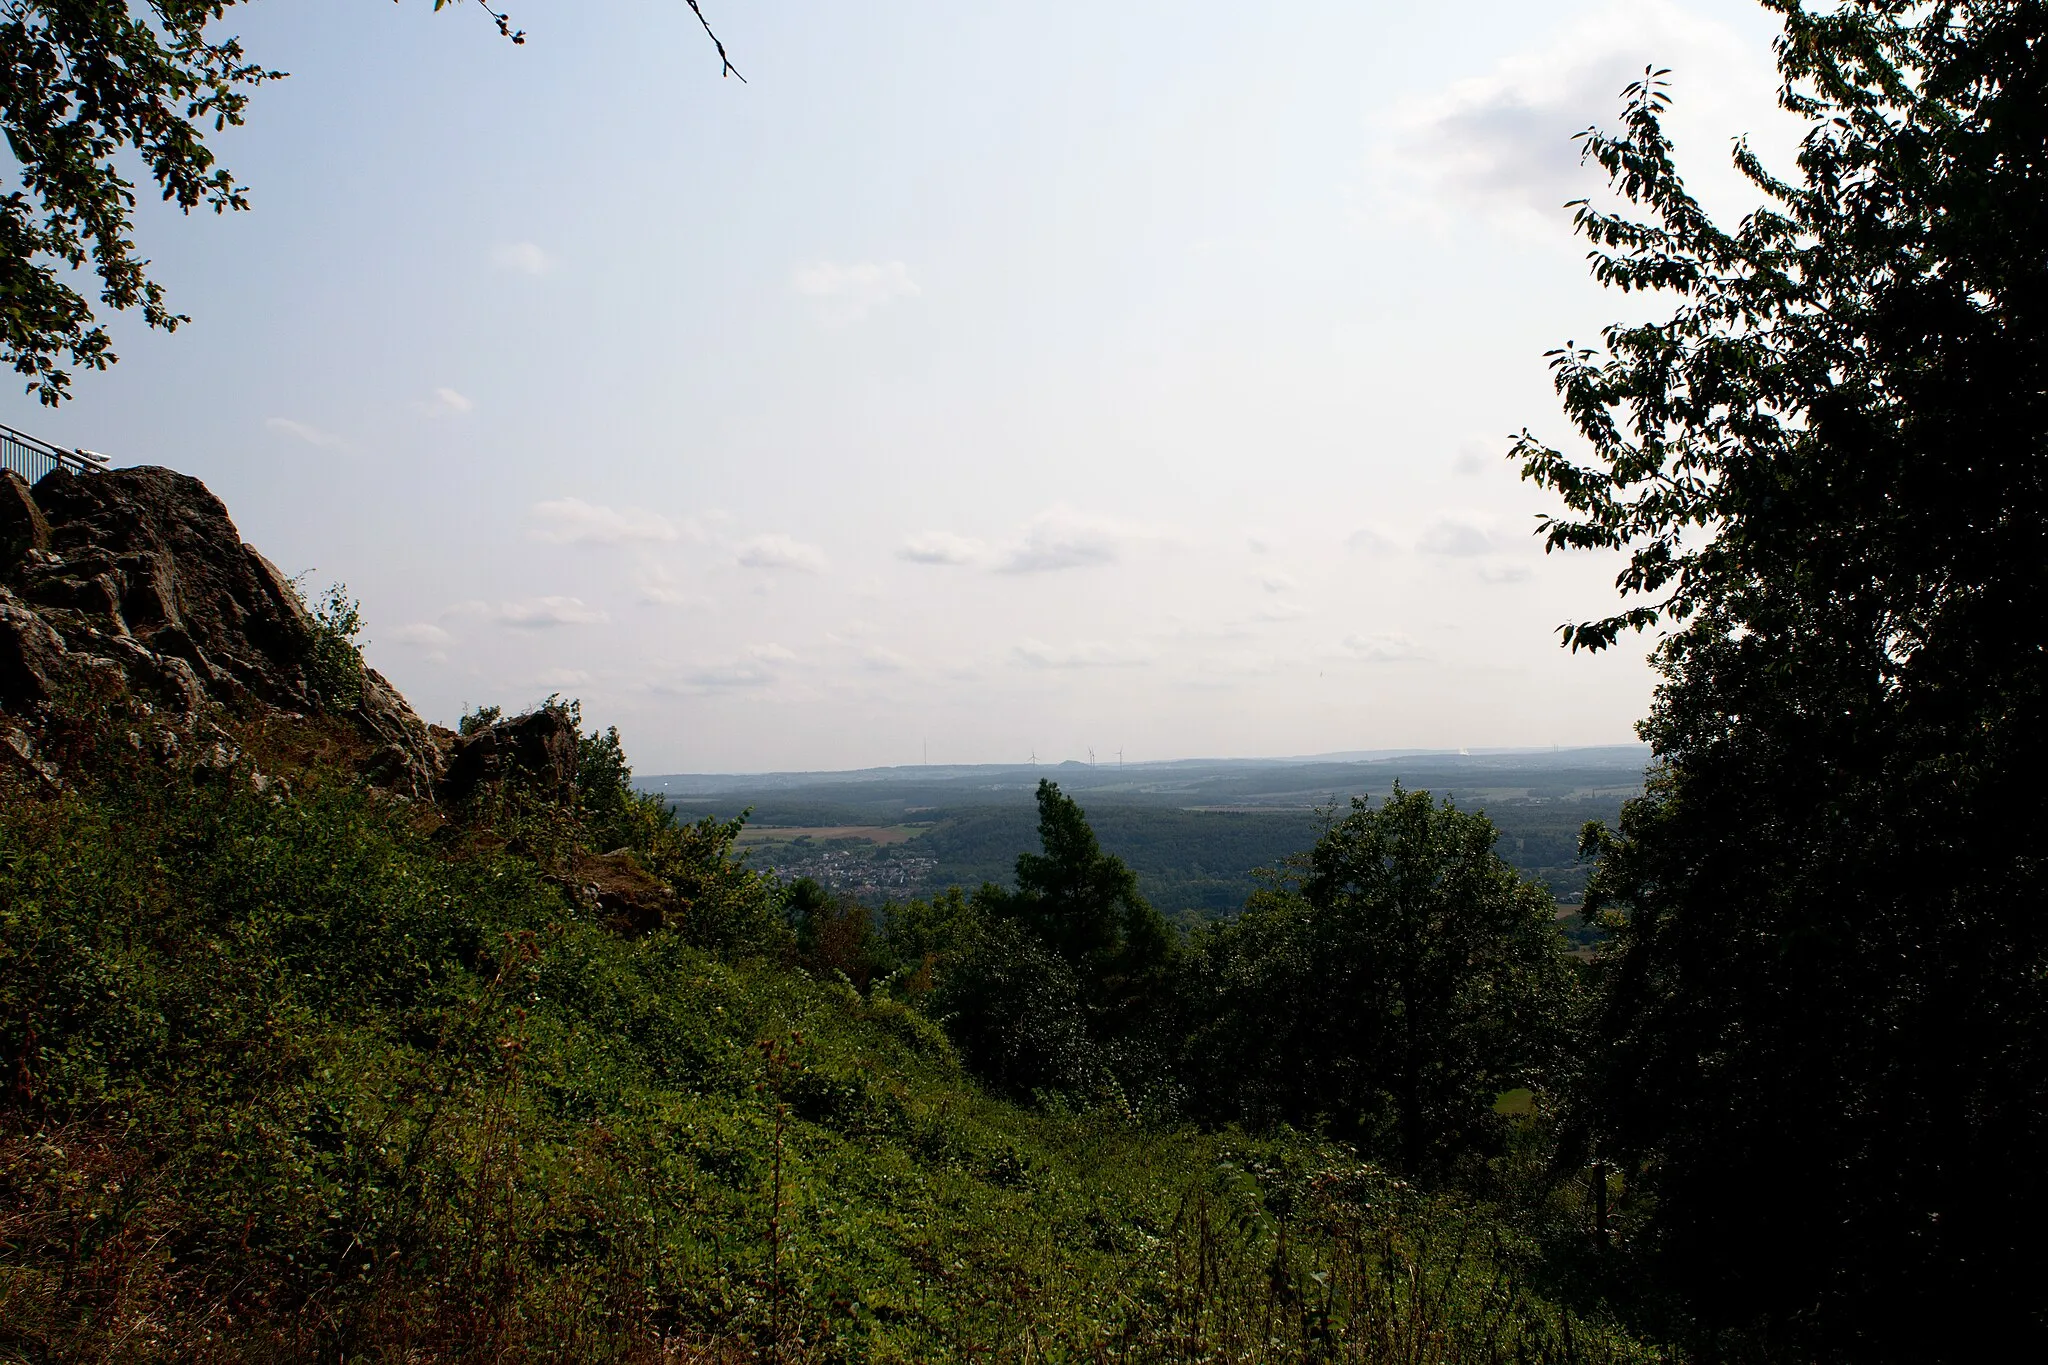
1825, 1039
835, 935
1409, 980
90, 92
1084, 903
82, 85
1084, 906
1057, 988
1018, 1012
334, 654
287, 1075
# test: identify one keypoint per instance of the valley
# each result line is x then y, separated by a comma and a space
1200, 835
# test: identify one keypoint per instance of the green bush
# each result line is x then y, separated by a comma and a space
304, 1073
1015, 1009
1407, 979
334, 656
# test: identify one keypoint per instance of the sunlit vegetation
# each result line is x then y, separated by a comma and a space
305, 1072
293, 1068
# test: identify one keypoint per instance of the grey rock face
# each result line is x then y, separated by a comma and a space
22, 527
135, 582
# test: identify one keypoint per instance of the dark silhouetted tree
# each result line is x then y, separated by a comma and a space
1085, 905
1015, 1009
1411, 978
835, 934
1083, 902
1824, 1046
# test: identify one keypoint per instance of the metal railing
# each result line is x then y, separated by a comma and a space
32, 457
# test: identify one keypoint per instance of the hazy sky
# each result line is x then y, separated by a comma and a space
995, 377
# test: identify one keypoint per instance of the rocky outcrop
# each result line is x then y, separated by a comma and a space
22, 524
630, 899
538, 749
130, 594
134, 585
142, 567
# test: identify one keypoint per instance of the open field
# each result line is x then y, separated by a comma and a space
881, 835
1197, 833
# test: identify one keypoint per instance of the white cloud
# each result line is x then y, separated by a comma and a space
545, 613
1389, 647
1240, 664
572, 521
777, 551
756, 667
423, 635
1081, 654
1476, 455
877, 659
564, 677
1205, 631
1370, 540
1483, 540
942, 547
521, 258
1277, 582
1280, 611
741, 673
849, 290
1057, 538
1061, 538
305, 431
447, 403
658, 587
428, 638
1458, 536
1501, 143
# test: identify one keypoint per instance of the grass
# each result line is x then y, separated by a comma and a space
305, 1073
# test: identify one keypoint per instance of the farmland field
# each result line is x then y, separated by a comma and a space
1197, 834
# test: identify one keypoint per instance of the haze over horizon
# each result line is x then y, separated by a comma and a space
1110, 765
1007, 380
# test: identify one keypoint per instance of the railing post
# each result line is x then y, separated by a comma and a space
32, 457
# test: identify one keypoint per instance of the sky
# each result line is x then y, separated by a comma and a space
974, 382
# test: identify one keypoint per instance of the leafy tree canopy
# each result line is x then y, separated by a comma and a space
1083, 902
1410, 979
1826, 1035
89, 89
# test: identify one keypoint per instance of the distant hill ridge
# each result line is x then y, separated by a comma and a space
1369, 764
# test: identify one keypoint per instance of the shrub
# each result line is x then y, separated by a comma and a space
334, 658
1406, 980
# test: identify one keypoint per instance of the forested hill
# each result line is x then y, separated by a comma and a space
1195, 832
1196, 782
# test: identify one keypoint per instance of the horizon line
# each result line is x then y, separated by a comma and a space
1335, 756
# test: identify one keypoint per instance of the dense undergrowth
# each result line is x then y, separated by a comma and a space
295, 1071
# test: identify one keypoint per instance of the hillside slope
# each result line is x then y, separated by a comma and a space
300, 1067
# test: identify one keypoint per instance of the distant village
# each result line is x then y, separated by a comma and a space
851, 867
